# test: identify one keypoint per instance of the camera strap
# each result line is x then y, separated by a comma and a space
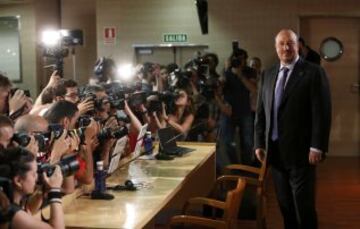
17, 113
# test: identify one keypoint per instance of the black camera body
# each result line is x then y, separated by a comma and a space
117, 100
13, 90
238, 55
83, 121
179, 79
23, 139
69, 165
107, 133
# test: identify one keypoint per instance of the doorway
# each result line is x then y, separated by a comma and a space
343, 75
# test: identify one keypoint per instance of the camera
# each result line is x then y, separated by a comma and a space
117, 100
69, 165
83, 121
166, 97
179, 79
23, 139
107, 133
56, 129
122, 117
137, 98
13, 90
117, 94
238, 55
98, 103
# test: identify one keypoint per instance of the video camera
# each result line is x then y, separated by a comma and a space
92, 97
166, 97
179, 79
119, 92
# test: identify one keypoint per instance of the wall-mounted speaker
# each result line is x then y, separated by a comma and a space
202, 9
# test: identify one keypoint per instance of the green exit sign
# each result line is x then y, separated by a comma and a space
169, 37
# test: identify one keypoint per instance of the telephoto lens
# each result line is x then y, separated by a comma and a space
107, 133
69, 165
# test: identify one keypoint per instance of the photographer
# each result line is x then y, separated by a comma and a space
240, 82
19, 166
33, 125
224, 139
66, 114
67, 89
149, 76
182, 117
13, 104
108, 121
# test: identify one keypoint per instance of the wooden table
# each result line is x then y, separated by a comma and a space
164, 186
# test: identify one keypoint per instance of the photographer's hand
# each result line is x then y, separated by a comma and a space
91, 132
33, 146
163, 114
59, 148
54, 79
127, 109
17, 101
111, 123
74, 141
159, 124
85, 106
56, 179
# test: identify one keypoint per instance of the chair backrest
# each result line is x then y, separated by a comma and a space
263, 170
233, 201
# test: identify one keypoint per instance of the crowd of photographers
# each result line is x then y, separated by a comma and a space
49, 146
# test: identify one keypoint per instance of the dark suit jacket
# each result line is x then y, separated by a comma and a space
313, 56
304, 115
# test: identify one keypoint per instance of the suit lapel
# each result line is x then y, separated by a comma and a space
273, 77
295, 76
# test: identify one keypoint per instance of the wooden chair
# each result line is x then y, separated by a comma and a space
230, 208
258, 182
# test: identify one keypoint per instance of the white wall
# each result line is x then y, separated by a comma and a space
253, 23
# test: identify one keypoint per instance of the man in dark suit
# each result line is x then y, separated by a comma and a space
292, 126
308, 53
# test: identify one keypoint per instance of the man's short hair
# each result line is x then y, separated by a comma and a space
28, 123
4, 81
60, 110
69, 83
213, 56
